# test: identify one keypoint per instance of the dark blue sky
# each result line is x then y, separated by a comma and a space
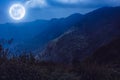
47, 9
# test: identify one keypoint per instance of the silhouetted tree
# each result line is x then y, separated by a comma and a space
32, 59
1, 48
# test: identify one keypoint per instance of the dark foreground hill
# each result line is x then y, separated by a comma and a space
26, 67
97, 28
108, 54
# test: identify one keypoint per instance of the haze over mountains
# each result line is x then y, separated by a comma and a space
68, 39
34, 35
79, 47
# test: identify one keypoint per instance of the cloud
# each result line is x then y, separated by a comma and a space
86, 3
72, 3
76, 3
36, 3
69, 1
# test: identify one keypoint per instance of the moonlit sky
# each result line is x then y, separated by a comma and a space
47, 9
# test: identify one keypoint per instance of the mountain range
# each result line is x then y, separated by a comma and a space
68, 40
31, 36
97, 28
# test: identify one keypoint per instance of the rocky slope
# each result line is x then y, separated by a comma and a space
107, 54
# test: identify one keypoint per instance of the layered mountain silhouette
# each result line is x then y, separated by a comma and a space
56, 27
34, 35
66, 40
96, 29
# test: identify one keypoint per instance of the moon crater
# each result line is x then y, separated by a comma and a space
17, 11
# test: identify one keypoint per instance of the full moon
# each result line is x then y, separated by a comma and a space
17, 11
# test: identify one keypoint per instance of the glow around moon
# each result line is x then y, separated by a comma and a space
17, 11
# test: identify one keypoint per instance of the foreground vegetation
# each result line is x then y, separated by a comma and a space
26, 67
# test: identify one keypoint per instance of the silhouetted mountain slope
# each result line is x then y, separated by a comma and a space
103, 17
107, 54
95, 30
34, 35
22, 31
55, 28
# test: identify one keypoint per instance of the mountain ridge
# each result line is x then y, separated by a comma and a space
95, 30
34, 35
